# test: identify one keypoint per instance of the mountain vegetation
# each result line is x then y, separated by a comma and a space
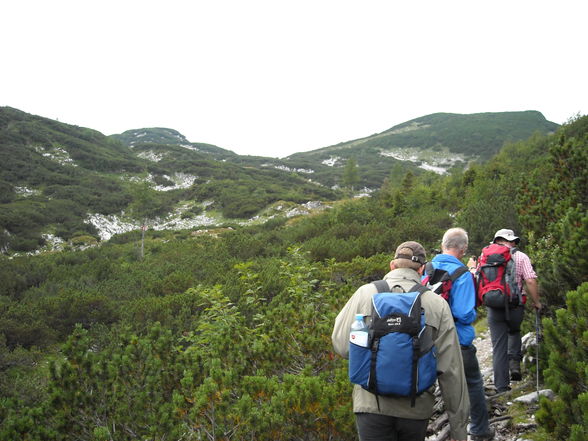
440, 142
53, 176
59, 182
165, 136
225, 334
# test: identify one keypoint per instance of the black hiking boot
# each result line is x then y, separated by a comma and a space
515, 370
483, 437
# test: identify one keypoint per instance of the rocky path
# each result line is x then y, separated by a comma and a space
501, 419
484, 346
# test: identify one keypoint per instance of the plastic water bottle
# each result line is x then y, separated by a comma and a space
359, 332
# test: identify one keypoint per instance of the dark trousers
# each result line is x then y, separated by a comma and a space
475, 382
506, 342
375, 427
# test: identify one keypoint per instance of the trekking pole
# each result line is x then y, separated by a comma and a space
537, 338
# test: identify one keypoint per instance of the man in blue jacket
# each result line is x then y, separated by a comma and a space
462, 302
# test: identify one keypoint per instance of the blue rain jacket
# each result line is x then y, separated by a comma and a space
462, 300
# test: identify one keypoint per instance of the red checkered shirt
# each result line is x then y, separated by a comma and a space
523, 269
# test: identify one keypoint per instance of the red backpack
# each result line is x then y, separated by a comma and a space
495, 276
440, 281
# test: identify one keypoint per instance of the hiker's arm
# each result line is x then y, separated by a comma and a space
463, 300
532, 288
340, 336
529, 278
452, 379
355, 305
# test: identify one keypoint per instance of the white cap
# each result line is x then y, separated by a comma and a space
506, 234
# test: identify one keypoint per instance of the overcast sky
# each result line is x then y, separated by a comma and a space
276, 77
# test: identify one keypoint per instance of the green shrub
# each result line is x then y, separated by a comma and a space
566, 342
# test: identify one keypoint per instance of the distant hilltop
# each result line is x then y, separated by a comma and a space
60, 182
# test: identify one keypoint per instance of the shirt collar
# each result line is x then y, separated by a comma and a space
404, 273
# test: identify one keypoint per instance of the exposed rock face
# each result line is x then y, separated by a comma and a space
110, 225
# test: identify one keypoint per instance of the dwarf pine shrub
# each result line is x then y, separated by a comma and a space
566, 342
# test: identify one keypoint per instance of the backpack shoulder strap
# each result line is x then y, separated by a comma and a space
429, 268
434, 275
458, 273
419, 288
381, 285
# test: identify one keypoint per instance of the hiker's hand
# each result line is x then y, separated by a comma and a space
537, 306
471, 264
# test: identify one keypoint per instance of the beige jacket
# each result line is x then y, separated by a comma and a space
449, 362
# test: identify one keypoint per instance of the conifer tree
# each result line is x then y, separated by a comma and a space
554, 207
566, 345
144, 208
350, 174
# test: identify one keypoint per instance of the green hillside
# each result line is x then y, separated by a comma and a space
156, 135
60, 182
479, 135
226, 333
163, 136
436, 142
63, 184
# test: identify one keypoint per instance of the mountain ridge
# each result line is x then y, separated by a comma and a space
67, 182
436, 142
476, 121
56, 179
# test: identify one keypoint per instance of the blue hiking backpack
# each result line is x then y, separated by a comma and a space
400, 359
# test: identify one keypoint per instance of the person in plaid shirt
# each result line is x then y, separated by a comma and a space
506, 334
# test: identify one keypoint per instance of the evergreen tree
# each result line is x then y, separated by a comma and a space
554, 207
350, 174
145, 207
566, 345
489, 204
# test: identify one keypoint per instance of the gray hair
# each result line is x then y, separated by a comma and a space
455, 239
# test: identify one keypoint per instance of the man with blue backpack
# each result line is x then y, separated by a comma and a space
401, 317
451, 279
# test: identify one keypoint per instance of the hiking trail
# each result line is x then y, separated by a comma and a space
509, 425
